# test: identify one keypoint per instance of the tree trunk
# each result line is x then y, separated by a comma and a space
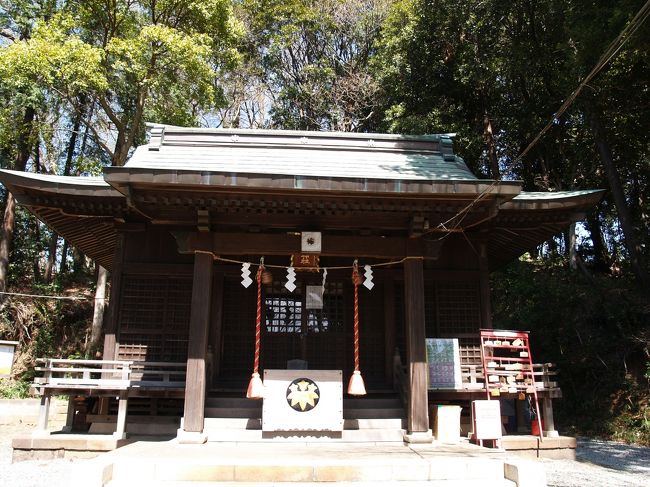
98, 313
571, 247
631, 242
77, 261
72, 143
552, 248
63, 268
601, 257
24, 149
35, 236
488, 135
51, 258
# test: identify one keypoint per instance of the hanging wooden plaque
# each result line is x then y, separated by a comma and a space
305, 262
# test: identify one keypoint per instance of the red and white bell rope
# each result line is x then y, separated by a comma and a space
356, 387
256, 386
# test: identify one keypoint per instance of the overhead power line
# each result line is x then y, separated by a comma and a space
612, 50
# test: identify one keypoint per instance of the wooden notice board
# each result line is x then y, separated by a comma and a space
486, 420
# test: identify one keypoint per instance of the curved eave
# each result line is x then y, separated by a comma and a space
82, 210
532, 218
123, 178
18, 182
94, 236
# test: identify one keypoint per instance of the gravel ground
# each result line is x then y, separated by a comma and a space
36, 473
599, 464
603, 464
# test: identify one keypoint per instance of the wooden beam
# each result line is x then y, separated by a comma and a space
418, 408
286, 244
198, 338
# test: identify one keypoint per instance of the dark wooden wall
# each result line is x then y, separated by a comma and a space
154, 300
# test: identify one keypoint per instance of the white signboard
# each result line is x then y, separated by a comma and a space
7, 349
302, 400
487, 419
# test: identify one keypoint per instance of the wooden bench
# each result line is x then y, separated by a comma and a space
105, 378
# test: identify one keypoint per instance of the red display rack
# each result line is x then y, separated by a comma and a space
508, 366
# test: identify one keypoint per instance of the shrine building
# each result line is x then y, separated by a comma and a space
212, 235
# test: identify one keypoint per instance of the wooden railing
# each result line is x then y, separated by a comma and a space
82, 374
64, 374
105, 378
158, 374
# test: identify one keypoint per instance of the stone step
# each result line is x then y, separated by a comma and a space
233, 412
137, 428
276, 466
372, 403
374, 483
370, 413
233, 424
346, 436
348, 403
348, 424
374, 413
374, 423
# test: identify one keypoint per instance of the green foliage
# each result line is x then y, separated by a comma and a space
313, 57
14, 389
52, 58
46, 327
595, 330
123, 62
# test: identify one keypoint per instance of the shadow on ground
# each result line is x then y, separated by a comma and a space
617, 456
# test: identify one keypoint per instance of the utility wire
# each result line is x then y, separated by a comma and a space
613, 49
49, 296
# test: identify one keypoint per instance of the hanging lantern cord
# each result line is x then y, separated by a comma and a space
256, 387
356, 386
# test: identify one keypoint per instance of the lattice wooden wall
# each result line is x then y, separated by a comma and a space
238, 329
452, 310
154, 318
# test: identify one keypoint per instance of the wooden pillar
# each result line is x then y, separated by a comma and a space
216, 329
120, 427
110, 342
549, 421
418, 407
195, 382
43, 414
484, 285
389, 327
69, 420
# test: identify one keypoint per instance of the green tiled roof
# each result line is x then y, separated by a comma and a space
318, 154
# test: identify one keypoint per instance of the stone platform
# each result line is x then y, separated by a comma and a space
437, 465
560, 448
